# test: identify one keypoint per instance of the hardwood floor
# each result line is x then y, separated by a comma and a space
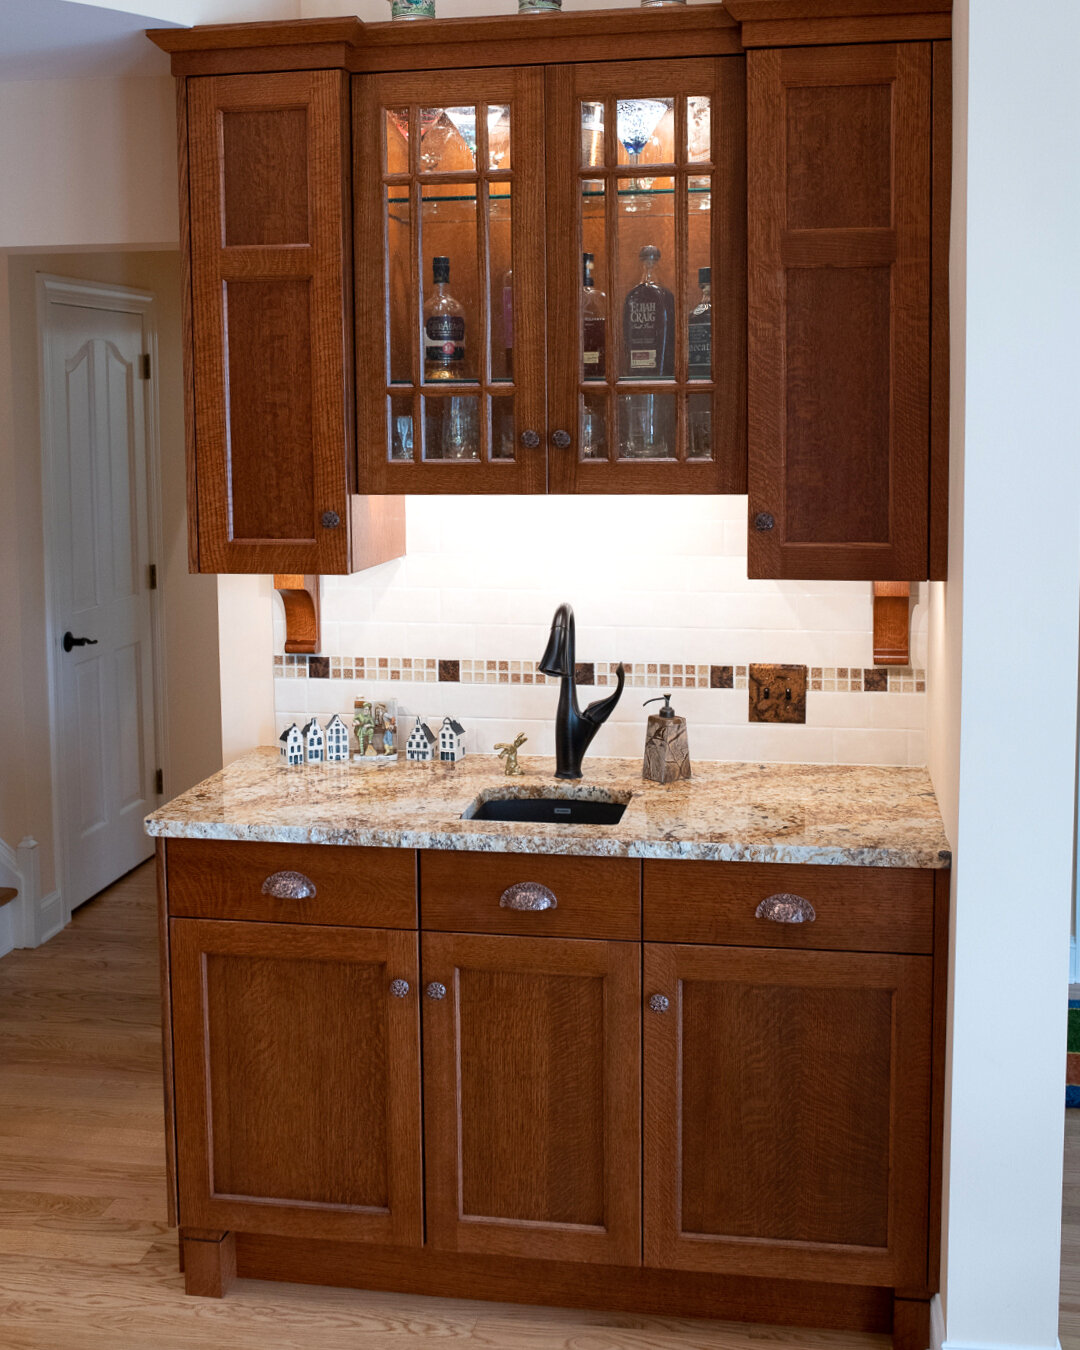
87, 1261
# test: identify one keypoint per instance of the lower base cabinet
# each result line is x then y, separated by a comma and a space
728, 1130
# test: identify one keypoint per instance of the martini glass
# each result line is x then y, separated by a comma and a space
636, 120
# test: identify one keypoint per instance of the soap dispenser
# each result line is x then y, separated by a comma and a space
667, 749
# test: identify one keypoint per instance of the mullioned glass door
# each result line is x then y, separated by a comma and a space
449, 276
647, 276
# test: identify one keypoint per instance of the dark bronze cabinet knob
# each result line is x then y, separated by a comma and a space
764, 521
330, 520
659, 1003
560, 439
530, 439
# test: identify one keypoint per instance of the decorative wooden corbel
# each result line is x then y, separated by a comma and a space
300, 596
892, 623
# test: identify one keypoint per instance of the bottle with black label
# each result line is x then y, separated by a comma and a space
444, 328
649, 324
593, 323
700, 354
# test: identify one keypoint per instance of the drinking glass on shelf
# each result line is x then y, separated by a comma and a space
636, 120
402, 447
460, 440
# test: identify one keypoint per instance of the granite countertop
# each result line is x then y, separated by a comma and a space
776, 813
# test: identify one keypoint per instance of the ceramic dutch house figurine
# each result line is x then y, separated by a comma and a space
292, 745
314, 743
421, 743
337, 741
451, 740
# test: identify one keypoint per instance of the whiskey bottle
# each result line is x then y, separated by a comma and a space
700, 353
593, 324
444, 328
649, 324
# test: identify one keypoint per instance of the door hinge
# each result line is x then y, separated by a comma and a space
159, 782
152, 578
144, 366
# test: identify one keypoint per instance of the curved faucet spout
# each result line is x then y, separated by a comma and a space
574, 729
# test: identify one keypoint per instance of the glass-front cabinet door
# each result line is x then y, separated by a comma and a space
646, 276
450, 245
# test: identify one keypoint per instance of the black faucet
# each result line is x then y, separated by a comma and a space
574, 729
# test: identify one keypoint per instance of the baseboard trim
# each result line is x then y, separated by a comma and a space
996, 1345
51, 917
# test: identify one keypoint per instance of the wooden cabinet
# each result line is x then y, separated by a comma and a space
528, 188
297, 1080
801, 158
532, 1098
267, 221
649, 1094
787, 1113
840, 214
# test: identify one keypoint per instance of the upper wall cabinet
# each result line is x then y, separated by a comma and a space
543, 254
839, 331
711, 258
270, 358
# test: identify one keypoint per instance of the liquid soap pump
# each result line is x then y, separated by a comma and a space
667, 749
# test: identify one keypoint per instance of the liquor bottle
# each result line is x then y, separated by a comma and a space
444, 328
593, 323
649, 324
700, 354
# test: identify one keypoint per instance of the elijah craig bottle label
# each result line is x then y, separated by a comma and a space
445, 345
643, 334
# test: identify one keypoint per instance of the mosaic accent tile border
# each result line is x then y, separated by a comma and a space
639, 674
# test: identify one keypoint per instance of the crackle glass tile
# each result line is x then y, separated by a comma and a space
740, 673
815, 685
829, 686
740, 681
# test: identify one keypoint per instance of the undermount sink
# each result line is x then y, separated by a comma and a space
549, 808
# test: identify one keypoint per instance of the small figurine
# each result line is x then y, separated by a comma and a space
314, 745
292, 745
389, 736
451, 740
509, 753
363, 724
337, 741
421, 743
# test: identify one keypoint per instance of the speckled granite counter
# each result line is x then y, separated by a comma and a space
777, 813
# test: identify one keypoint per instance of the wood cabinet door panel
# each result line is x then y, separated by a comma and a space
297, 1080
450, 163
270, 276
692, 208
839, 306
787, 1113
532, 1098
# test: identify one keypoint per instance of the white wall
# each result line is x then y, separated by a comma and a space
1015, 367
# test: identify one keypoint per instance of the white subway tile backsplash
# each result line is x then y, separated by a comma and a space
653, 581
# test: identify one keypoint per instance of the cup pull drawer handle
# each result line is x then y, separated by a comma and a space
289, 886
786, 908
528, 895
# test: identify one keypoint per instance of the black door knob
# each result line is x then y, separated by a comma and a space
71, 641
764, 521
560, 439
330, 520
530, 439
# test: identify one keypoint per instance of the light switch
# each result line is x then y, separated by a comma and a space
777, 693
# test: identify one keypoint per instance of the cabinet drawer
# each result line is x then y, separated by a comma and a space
871, 909
358, 887
595, 897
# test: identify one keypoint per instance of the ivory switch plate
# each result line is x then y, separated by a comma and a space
777, 693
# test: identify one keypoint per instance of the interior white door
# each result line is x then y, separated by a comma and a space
99, 552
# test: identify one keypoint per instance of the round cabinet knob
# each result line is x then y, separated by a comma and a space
435, 990
399, 988
530, 439
560, 439
330, 520
763, 521
659, 1003
289, 886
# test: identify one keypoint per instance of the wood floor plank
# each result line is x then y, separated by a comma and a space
87, 1261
